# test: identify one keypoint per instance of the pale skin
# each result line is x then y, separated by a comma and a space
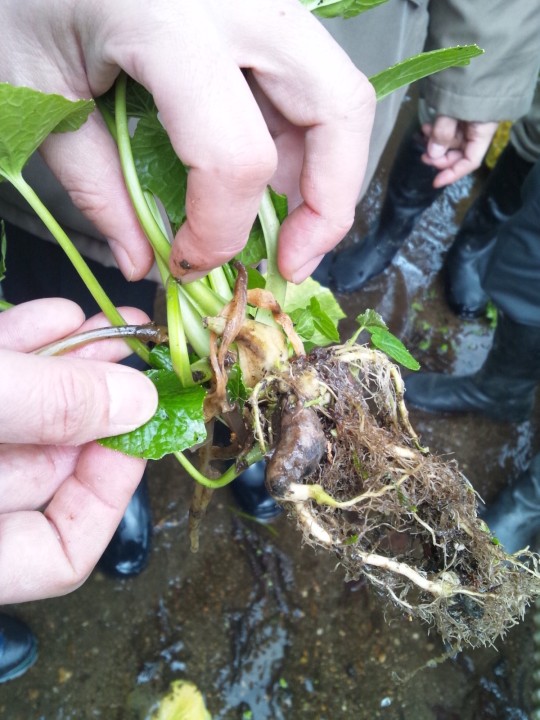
456, 147
191, 57
61, 494
251, 92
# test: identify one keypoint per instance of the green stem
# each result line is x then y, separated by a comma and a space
177, 336
253, 456
107, 117
229, 274
201, 370
352, 340
204, 298
156, 237
219, 283
4, 305
275, 282
197, 335
77, 260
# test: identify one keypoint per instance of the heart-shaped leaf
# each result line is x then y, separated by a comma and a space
177, 424
26, 118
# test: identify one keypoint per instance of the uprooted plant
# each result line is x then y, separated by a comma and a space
263, 359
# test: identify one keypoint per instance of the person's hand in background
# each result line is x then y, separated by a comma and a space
456, 147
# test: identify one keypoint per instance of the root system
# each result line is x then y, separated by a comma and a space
345, 461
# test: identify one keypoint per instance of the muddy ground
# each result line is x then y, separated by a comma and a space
269, 629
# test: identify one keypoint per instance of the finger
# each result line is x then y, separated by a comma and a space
444, 135
426, 130
86, 163
323, 219
52, 553
35, 323
308, 268
452, 174
476, 149
219, 133
69, 401
447, 160
334, 104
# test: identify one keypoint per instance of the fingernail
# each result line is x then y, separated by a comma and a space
132, 397
122, 258
305, 271
435, 150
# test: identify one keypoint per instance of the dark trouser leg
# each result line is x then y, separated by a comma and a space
39, 269
514, 517
475, 240
504, 388
410, 191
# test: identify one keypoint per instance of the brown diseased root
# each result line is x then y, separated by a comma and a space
350, 468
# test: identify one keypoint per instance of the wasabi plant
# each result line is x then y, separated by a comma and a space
264, 358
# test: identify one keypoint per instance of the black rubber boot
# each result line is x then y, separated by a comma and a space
475, 240
252, 496
514, 517
129, 549
504, 387
410, 191
18, 648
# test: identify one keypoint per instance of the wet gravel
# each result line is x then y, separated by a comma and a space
268, 629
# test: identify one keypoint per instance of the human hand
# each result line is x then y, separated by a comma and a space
191, 57
62, 496
456, 147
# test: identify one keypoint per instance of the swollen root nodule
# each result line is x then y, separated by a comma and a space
344, 459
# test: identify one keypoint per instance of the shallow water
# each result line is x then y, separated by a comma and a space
268, 629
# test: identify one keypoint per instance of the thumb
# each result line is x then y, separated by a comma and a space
70, 401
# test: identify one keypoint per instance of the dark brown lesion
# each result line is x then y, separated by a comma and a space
181, 267
298, 452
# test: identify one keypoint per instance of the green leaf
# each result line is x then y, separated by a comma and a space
255, 249
255, 279
393, 347
299, 296
139, 101
323, 322
236, 390
159, 169
160, 357
422, 65
298, 304
303, 323
370, 318
281, 205
340, 8
178, 423
27, 117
